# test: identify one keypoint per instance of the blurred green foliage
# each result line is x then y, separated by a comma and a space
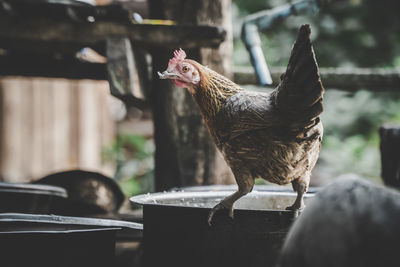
351, 122
133, 155
363, 33
352, 33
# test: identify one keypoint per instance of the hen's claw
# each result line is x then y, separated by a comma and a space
297, 209
219, 206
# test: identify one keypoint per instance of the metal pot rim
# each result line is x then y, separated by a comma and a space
39, 189
154, 198
68, 220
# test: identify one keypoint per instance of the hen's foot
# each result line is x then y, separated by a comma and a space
296, 207
219, 206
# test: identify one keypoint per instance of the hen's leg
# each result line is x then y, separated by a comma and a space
300, 186
245, 185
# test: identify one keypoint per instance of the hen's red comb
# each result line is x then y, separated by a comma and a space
179, 56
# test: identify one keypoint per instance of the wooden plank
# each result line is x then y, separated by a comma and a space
11, 145
88, 129
47, 114
88, 34
47, 125
74, 111
347, 79
44, 66
62, 122
36, 117
1, 127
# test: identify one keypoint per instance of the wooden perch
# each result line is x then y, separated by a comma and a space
347, 79
89, 34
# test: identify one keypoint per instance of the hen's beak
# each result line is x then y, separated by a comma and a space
167, 75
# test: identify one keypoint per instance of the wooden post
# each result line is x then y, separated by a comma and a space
185, 153
390, 155
1, 131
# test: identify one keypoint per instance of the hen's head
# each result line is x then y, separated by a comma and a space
181, 71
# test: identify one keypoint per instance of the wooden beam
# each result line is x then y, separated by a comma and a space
66, 49
347, 79
352, 80
32, 65
44, 66
88, 34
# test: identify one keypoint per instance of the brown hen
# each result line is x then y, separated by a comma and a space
274, 136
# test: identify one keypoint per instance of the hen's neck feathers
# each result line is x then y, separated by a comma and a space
212, 90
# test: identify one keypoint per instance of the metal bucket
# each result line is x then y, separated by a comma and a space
29, 198
176, 232
49, 240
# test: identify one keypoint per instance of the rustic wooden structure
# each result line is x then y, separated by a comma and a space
390, 155
43, 32
33, 44
372, 79
53, 125
346, 79
72, 38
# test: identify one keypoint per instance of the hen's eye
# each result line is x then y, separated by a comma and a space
185, 68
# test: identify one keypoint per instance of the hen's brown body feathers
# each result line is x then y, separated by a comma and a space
259, 142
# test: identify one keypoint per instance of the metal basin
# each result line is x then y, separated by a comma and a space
29, 198
49, 240
232, 187
176, 232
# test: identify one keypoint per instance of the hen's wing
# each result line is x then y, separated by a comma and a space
288, 112
245, 112
298, 97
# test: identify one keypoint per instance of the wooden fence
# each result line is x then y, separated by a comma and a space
50, 125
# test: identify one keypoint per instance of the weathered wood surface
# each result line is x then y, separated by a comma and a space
185, 153
347, 79
88, 34
53, 125
390, 155
352, 80
123, 73
37, 65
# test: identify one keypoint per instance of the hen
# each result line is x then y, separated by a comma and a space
274, 136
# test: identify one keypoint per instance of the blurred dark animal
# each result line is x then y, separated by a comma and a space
274, 136
349, 223
89, 193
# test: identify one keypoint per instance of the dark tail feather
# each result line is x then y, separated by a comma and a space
299, 94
